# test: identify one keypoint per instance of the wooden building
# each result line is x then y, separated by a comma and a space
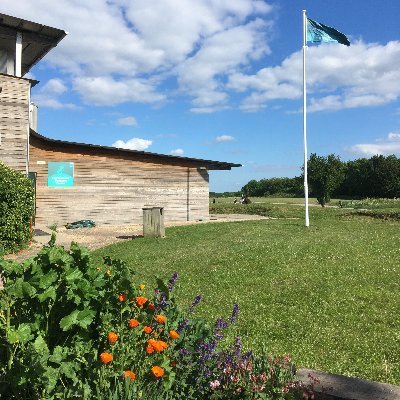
76, 181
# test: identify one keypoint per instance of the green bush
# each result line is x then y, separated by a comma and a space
72, 329
16, 209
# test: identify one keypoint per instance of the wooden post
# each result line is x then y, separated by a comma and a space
153, 222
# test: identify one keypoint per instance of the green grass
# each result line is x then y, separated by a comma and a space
328, 295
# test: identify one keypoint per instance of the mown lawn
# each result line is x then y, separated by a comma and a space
328, 295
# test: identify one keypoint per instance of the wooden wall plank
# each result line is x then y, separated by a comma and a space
112, 189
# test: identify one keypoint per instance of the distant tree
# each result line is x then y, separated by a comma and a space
251, 188
325, 174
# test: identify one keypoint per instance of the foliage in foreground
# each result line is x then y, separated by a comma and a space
16, 209
71, 329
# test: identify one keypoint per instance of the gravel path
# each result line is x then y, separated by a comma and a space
103, 235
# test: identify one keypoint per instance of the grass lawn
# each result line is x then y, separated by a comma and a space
328, 295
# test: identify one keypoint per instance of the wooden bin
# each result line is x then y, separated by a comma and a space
153, 222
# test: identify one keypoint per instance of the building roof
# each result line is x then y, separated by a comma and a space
196, 162
37, 39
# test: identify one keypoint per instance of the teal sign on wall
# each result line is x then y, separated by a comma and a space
60, 174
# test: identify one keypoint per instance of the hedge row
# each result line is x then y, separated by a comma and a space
16, 209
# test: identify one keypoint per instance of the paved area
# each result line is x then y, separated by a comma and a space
103, 235
346, 388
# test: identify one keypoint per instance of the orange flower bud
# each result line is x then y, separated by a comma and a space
133, 323
151, 307
106, 357
147, 329
112, 337
129, 374
122, 297
158, 372
161, 319
173, 334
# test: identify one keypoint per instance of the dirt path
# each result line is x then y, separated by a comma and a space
103, 235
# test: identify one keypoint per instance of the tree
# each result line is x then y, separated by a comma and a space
325, 174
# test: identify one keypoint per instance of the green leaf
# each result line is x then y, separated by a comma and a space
49, 293
47, 279
85, 318
73, 275
58, 355
20, 335
40, 346
28, 289
69, 320
81, 318
68, 369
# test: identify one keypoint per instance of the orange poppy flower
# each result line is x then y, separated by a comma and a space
173, 334
129, 374
140, 301
161, 319
147, 329
122, 297
157, 371
112, 337
106, 357
151, 307
133, 323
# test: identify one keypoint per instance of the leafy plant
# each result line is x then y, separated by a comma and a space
73, 329
16, 209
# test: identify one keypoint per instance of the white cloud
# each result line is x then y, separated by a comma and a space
387, 146
108, 91
177, 152
133, 144
120, 51
123, 51
128, 121
224, 138
338, 77
48, 95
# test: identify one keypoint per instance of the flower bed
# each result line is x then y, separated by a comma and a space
72, 329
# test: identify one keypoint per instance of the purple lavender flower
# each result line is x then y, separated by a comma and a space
195, 303
182, 326
235, 313
172, 281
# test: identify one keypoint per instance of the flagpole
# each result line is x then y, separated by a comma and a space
307, 221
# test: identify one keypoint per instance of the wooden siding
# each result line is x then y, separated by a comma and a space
113, 189
14, 121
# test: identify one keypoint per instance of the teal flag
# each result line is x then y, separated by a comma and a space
320, 33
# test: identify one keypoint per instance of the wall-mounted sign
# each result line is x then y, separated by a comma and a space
60, 174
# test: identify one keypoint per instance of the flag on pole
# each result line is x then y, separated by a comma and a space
320, 33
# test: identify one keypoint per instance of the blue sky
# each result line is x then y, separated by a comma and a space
220, 79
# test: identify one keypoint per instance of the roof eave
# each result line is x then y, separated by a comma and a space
208, 164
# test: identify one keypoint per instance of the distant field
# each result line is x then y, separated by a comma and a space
329, 295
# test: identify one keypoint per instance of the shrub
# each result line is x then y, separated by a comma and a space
72, 329
16, 209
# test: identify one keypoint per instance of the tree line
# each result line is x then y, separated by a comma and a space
328, 176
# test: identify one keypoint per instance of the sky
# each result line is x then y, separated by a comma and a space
220, 80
